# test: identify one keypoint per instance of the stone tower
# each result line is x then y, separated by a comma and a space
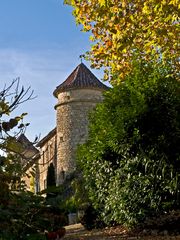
77, 95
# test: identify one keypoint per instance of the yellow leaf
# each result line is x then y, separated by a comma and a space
102, 2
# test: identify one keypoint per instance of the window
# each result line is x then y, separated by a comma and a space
45, 183
62, 174
50, 151
37, 187
61, 138
47, 154
68, 96
43, 157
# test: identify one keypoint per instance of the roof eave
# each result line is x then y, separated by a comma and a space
46, 138
60, 90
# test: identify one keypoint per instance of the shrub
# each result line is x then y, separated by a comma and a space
131, 160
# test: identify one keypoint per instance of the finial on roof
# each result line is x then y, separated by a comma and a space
81, 57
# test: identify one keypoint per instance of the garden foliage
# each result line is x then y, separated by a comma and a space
23, 215
131, 160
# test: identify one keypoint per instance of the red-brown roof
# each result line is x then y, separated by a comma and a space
81, 77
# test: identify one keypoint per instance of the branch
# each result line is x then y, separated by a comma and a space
18, 98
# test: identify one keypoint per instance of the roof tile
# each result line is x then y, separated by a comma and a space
81, 77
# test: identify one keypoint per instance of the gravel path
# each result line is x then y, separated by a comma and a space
77, 232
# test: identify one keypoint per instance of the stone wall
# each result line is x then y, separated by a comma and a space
29, 179
48, 154
72, 126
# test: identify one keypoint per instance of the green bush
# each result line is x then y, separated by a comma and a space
131, 161
91, 219
25, 216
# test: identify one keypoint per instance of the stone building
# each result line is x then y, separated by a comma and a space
76, 97
29, 156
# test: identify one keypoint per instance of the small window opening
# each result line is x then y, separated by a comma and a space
45, 183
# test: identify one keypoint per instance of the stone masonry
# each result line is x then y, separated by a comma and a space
72, 125
76, 97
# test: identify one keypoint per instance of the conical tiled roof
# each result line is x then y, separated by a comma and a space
81, 77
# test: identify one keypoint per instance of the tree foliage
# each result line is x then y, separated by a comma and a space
19, 210
131, 161
23, 215
10, 130
51, 181
118, 28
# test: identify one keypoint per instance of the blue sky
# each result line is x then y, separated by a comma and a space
41, 44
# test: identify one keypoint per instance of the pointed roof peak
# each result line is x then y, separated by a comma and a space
26, 144
24, 140
80, 78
